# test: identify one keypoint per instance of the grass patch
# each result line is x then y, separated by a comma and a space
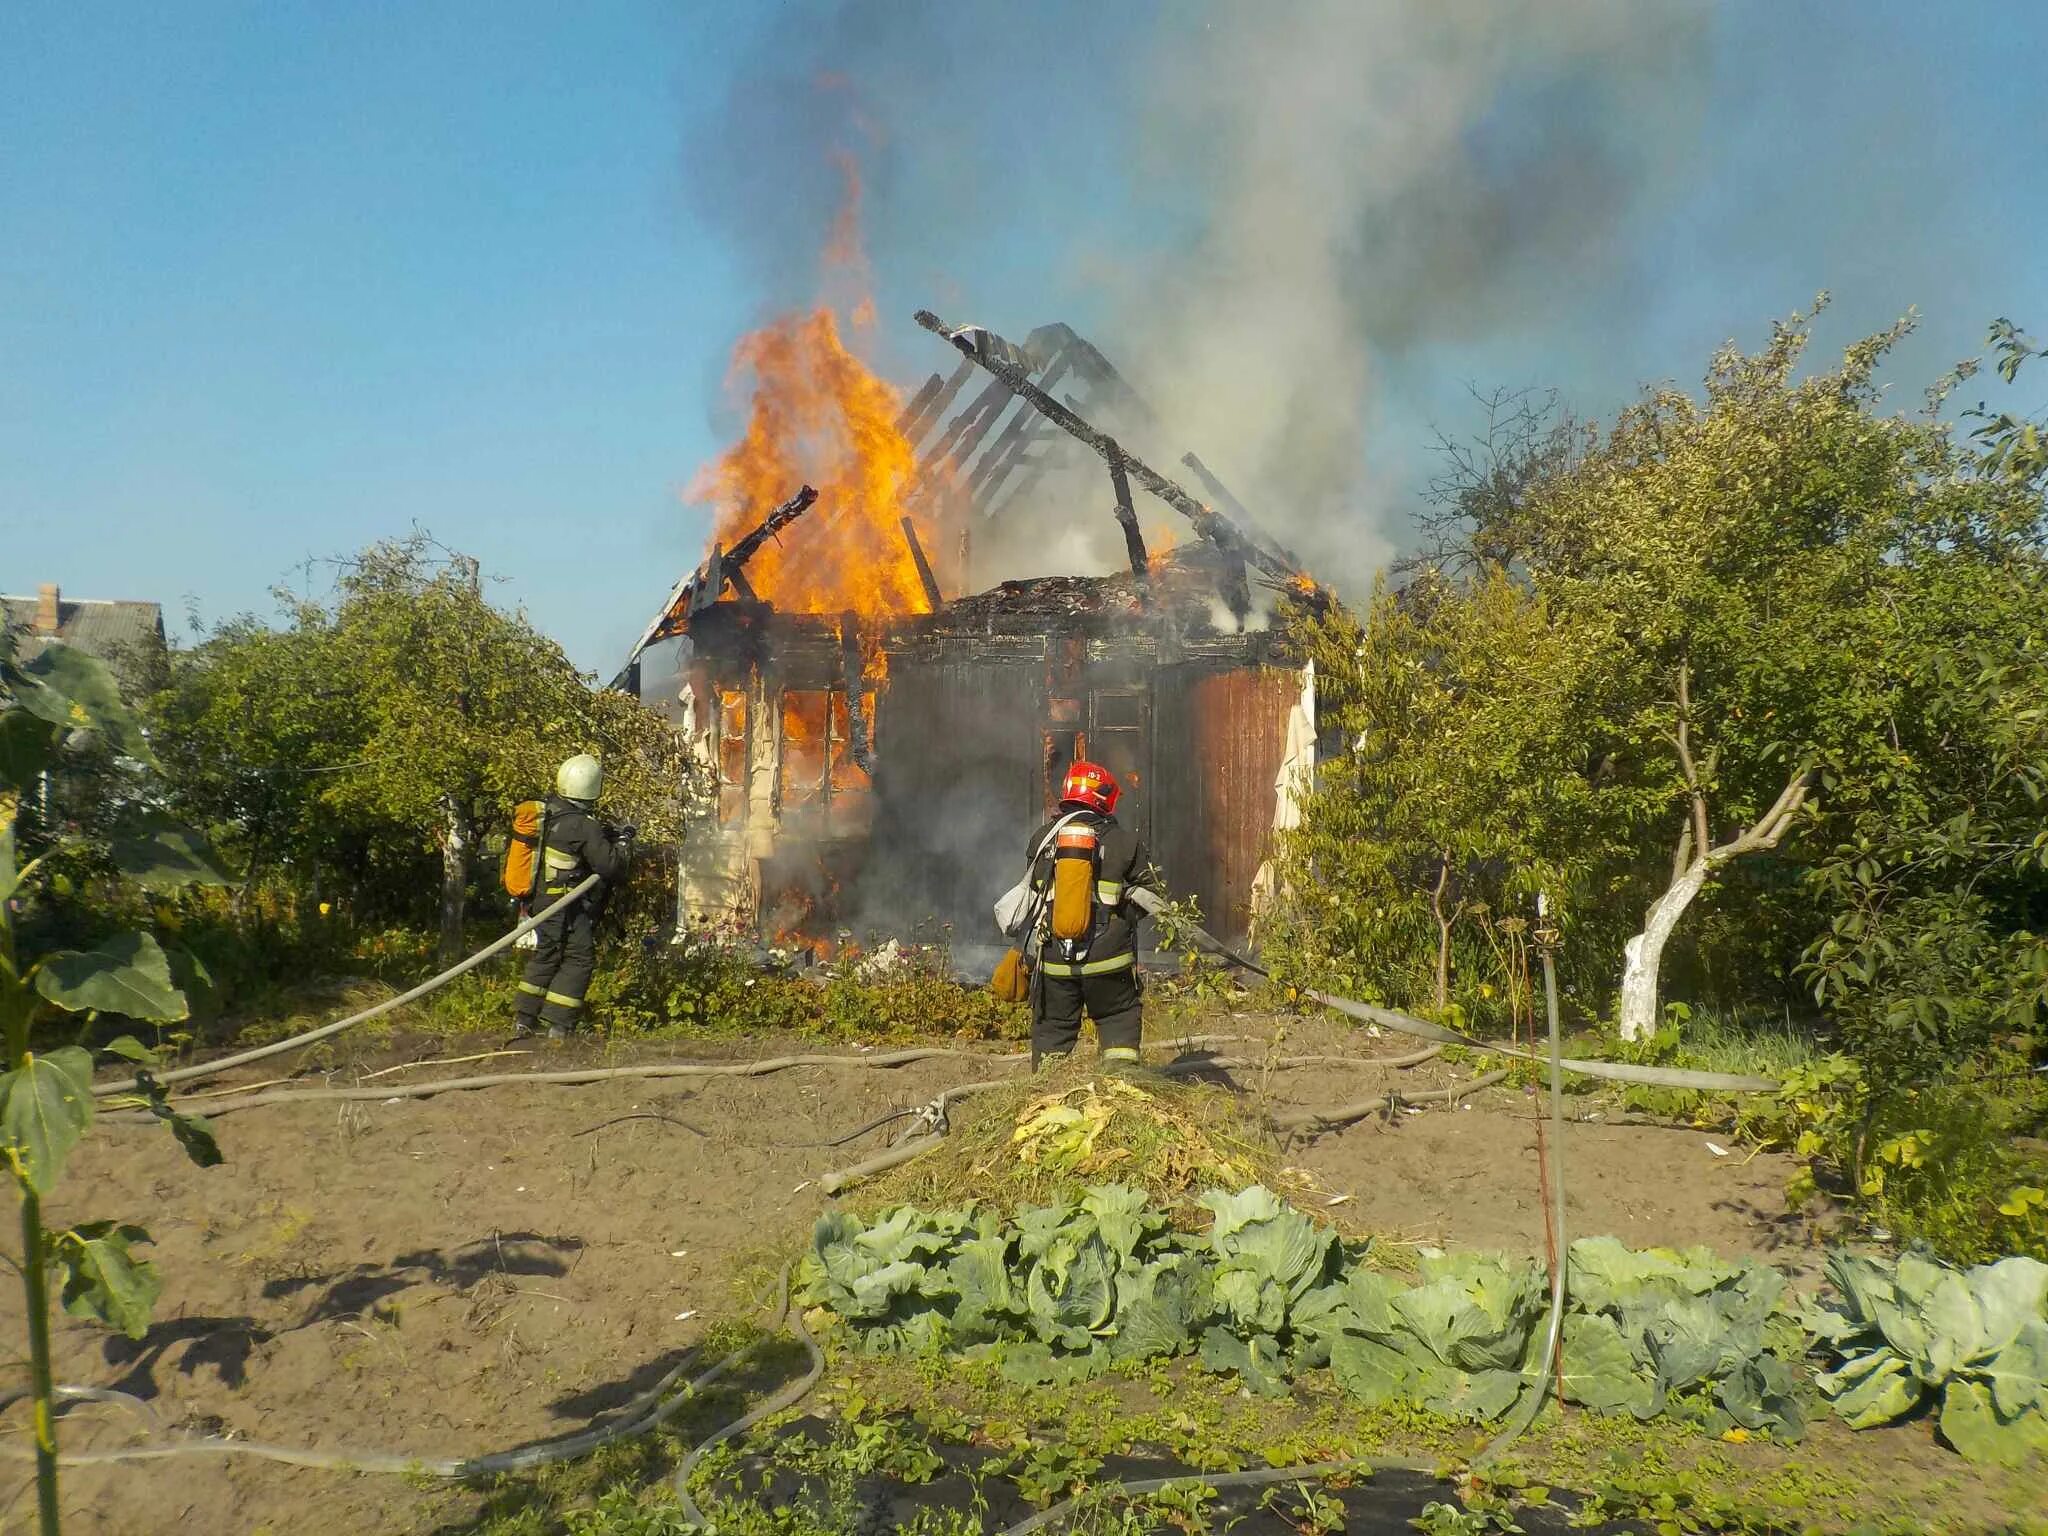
1764, 1045
1702, 1040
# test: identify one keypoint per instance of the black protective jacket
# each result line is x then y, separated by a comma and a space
1123, 863
575, 845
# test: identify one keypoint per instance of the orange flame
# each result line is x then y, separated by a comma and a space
1160, 540
819, 416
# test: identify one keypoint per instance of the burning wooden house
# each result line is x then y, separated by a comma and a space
882, 751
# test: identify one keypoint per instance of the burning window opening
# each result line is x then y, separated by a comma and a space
884, 750
732, 757
818, 763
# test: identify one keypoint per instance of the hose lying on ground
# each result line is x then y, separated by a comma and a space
1401, 1023
643, 1414
894, 1157
1553, 1331
221, 1102
579, 1075
279, 1047
787, 1398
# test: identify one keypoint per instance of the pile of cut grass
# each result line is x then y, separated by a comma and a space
1048, 1137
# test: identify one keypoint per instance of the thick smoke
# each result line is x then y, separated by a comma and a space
1258, 211
1370, 178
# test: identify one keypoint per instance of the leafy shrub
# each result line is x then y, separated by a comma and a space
917, 997
1938, 1163
697, 987
1918, 1331
717, 984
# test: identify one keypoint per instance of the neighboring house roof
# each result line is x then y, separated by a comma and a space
115, 631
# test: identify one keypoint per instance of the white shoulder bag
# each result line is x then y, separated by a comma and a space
1014, 907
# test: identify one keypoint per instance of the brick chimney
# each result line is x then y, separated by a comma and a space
46, 608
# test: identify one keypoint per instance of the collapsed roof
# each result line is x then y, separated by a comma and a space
993, 452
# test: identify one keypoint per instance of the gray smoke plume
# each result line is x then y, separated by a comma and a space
1258, 211
1376, 176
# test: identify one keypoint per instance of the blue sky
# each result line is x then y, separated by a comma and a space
280, 279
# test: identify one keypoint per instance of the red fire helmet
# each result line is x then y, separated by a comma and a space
1091, 785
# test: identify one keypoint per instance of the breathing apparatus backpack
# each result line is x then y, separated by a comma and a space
1076, 862
521, 873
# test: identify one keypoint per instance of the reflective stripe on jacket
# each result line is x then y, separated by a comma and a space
577, 845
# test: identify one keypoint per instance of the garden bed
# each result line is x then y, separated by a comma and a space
468, 1272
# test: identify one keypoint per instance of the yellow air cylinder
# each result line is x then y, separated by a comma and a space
522, 850
1073, 883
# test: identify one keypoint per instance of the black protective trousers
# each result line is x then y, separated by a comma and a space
558, 974
1114, 1000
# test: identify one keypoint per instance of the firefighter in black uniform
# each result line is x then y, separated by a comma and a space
574, 846
1087, 957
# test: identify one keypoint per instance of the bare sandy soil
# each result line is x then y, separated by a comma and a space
460, 1274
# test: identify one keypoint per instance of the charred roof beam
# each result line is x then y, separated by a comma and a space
1127, 518
998, 358
737, 557
925, 578
931, 401
995, 461
705, 585
1221, 494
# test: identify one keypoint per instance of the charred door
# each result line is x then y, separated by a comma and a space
956, 790
1119, 738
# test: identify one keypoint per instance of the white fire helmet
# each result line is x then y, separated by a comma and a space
580, 779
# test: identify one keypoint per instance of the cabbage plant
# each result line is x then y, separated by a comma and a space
1060, 1291
1920, 1332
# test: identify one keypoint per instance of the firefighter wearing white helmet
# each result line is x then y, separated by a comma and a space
574, 845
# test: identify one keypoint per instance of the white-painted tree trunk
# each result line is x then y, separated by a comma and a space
454, 879
1642, 954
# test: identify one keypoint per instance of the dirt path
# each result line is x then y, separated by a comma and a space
465, 1273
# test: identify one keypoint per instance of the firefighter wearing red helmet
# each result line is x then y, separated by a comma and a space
1084, 867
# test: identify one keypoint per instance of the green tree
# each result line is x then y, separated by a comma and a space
1935, 873
408, 711
1460, 795
1746, 558
1755, 609
251, 726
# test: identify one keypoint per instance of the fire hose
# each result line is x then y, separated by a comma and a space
1421, 1029
643, 1414
325, 1031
